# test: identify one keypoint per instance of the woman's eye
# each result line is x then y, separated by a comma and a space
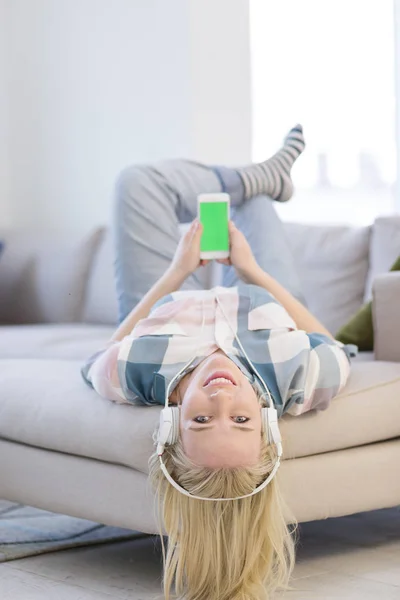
241, 419
201, 419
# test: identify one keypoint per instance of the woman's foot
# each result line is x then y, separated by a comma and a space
272, 177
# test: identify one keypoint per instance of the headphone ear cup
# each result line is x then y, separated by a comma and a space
269, 418
264, 424
174, 435
168, 432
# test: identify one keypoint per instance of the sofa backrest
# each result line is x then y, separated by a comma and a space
53, 279
332, 262
43, 276
101, 304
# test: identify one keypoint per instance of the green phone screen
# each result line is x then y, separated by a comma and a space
214, 218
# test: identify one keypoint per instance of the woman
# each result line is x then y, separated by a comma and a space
219, 356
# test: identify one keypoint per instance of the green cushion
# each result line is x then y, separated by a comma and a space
359, 330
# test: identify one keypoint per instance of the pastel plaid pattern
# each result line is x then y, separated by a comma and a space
303, 371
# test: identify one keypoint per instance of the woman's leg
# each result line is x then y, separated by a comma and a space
257, 219
151, 201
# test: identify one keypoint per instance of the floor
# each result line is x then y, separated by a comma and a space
348, 558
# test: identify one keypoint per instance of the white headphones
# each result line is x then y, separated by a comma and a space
168, 433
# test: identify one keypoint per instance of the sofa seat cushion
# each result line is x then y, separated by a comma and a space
45, 403
363, 357
52, 341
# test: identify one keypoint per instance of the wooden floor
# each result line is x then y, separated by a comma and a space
349, 558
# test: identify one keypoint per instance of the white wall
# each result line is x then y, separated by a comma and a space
5, 204
220, 84
96, 85
397, 77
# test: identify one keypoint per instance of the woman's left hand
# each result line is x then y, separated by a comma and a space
187, 254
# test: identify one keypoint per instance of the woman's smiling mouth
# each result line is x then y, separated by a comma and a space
220, 378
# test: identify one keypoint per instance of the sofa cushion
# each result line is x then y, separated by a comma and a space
333, 266
43, 275
45, 403
52, 341
385, 248
332, 262
360, 330
101, 299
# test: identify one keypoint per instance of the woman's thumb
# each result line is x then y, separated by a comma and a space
232, 229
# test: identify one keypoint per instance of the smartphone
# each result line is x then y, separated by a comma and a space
213, 213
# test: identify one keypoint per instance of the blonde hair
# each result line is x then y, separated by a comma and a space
234, 550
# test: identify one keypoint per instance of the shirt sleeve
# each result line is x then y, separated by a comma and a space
101, 373
326, 370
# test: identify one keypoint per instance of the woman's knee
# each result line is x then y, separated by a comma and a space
130, 182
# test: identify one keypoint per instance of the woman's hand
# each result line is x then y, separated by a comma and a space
241, 256
187, 254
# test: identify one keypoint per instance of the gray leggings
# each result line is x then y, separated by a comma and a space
150, 203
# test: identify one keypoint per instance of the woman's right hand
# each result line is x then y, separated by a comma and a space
241, 256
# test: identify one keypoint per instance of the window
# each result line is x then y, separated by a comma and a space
330, 67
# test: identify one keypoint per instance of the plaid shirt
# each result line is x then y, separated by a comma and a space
303, 371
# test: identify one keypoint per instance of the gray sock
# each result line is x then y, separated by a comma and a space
272, 177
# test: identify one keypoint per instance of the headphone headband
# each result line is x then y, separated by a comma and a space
186, 493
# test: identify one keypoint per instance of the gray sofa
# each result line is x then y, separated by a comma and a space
65, 449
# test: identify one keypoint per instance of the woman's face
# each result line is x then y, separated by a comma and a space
220, 421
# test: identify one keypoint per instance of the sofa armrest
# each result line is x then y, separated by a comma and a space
386, 316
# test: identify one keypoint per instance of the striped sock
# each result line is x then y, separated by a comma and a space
272, 177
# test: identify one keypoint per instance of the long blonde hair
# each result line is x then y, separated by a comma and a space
234, 550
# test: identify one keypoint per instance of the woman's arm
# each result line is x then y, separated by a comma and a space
185, 261
299, 313
246, 266
168, 283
